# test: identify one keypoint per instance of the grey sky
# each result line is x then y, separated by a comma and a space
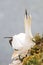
12, 22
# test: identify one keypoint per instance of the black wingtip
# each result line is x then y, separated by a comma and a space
7, 37
10, 41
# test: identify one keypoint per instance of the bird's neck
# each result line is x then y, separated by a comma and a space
28, 28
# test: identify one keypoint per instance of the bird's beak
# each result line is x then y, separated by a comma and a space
26, 12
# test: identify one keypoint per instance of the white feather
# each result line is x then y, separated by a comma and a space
23, 41
18, 41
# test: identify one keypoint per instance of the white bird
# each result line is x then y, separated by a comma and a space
23, 41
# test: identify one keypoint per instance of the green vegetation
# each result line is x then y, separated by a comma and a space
38, 38
36, 53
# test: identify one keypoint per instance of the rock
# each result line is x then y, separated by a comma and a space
16, 62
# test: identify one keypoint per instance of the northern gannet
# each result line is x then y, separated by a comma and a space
23, 41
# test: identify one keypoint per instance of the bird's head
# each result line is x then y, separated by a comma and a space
27, 18
27, 24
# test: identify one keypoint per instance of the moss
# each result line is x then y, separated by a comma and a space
36, 59
36, 53
37, 38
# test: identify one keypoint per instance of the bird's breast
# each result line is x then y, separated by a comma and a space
18, 41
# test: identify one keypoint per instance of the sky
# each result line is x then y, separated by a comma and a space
12, 22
